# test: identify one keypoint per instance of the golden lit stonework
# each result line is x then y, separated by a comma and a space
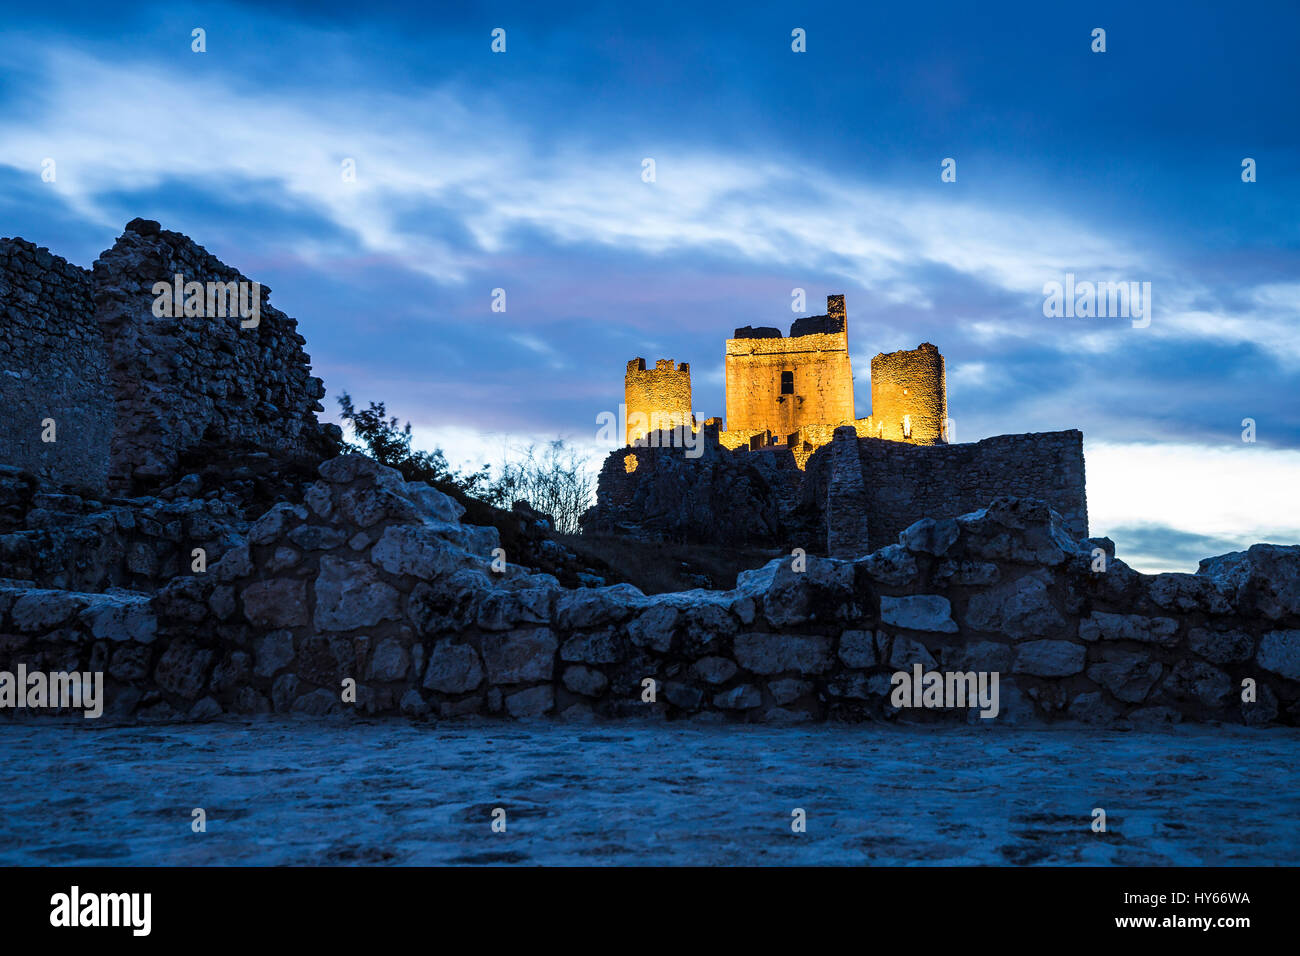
794, 391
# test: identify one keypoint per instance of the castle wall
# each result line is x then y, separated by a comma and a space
130, 392
656, 398
909, 395
761, 496
52, 366
908, 482
179, 382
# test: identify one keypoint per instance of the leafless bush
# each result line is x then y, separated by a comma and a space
554, 478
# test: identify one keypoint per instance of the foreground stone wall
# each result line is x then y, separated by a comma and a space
52, 366
376, 581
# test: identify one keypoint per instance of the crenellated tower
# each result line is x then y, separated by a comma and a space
656, 398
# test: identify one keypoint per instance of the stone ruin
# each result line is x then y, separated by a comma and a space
376, 580
131, 394
274, 580
771, 477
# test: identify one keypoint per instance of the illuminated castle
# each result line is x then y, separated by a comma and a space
793, 392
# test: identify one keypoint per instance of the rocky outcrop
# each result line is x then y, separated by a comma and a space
372, 596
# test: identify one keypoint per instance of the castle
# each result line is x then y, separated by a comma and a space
794, 466
794, 392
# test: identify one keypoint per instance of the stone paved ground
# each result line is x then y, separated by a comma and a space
298, 791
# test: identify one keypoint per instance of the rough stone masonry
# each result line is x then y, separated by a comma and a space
129, 392
342, 589
377, 581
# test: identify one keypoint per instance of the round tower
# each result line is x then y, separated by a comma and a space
909, 396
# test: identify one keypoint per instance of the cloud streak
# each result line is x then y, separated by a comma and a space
462, 187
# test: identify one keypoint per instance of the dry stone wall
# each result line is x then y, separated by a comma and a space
182, 381
378, 582
52, 368
131, 393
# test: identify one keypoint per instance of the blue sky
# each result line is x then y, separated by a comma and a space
774, 170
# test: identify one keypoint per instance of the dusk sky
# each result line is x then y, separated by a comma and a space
775, 170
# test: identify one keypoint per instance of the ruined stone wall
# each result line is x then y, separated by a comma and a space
847, 505
656, 398
908, 482
816, 354
658, 493
762, 497
909, 396
376, 582
131, 393
181, 381
52, 366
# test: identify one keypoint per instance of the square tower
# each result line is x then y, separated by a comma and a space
783, 384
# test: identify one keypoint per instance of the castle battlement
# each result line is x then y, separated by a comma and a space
656, 398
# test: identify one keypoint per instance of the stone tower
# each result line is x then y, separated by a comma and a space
783, 384
656, 398
909, 396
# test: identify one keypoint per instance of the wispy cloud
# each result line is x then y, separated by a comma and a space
474, 164
462, 186
1233, 495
